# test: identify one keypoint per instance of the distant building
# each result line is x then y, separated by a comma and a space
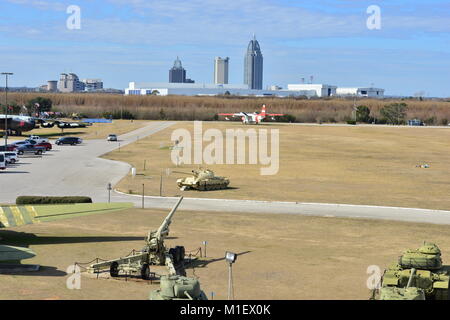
91, 85
203, 89
321, 90
275, 87
361, 92
177, 74
253, 66
221, 70
52, 86
70, 83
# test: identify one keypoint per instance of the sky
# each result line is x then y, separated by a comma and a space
121, 41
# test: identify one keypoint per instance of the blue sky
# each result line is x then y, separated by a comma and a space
138, 40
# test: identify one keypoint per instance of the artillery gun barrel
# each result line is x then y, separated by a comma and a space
168, 219
180, 172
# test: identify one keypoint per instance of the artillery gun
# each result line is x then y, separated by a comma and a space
203, 180
421, 269
153, 253
178, 288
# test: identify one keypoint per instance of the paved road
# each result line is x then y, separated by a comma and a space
312, 209
71, 170
78, 171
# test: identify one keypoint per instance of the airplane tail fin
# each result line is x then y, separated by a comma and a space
263, 110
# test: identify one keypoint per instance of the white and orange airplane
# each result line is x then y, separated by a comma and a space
252, 118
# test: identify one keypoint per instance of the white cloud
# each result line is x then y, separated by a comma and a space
41, 5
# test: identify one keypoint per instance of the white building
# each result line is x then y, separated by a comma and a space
361, 92
221, 70
203, 89
320, 90
70, 83
92, 84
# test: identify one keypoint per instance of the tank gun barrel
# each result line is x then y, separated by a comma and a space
413, 271
180, 172
168, 219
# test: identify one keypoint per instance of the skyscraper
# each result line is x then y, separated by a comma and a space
253, 66
177, 74
221, 70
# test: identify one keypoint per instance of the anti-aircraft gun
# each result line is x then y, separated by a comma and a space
153, 253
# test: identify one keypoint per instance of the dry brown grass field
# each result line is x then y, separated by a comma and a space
366, 165
281, 256
204, 108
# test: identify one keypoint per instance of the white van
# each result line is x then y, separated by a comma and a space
11, 157
2, 161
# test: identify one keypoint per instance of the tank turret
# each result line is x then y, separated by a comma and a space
178, 288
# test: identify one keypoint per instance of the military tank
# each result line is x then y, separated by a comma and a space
178, 288
421, 269
203, 180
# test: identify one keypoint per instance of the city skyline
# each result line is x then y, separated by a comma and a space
121, 41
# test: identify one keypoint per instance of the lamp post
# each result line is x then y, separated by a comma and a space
230, 258
6, 74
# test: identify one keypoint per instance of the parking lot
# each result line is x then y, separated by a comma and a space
70, 170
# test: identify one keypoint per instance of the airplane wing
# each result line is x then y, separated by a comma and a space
13, 216
240, 114
50, 123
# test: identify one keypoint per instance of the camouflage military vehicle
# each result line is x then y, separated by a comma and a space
422, 269
203, 179
394, 293
178, 288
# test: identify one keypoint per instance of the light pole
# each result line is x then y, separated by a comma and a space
230, 258
6, 74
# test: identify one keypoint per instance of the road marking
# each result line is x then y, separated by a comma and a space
3, 220
32, 212
25, 215
9, 215
17, 216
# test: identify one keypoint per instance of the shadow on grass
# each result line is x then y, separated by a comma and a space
44, 271
203, 262
15, 238
60, 134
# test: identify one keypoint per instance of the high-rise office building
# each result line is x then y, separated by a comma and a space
221, 70
253, 66
177, 74
70, 83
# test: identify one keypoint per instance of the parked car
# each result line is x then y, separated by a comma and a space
112, 137
20, 143
11, 157
69, 140
37, 139
2, 161
29, 148
47, 145
9, 147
